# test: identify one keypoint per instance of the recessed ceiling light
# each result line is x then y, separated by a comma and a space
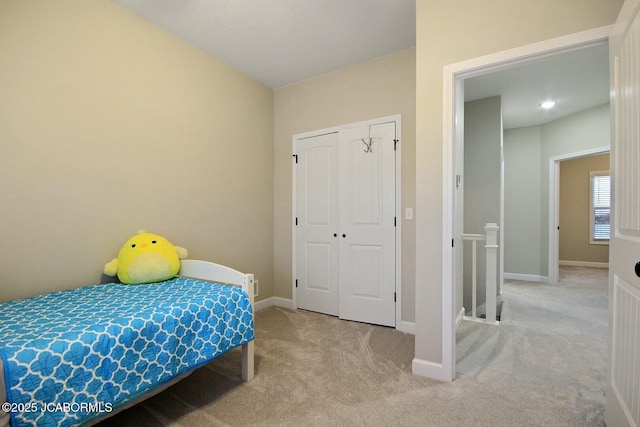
548, 104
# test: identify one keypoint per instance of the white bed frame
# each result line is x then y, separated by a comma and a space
212, 272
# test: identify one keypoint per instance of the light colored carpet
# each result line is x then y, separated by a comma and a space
544, 365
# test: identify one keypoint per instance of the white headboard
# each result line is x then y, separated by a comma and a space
212, 272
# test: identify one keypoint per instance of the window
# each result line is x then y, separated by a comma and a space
600, 207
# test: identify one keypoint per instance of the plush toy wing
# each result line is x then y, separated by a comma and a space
111, 268
182, 252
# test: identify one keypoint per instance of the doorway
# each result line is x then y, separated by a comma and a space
554, 207
454, 76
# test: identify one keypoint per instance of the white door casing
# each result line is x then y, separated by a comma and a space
623, 379
345, 243
554, 207
458, 201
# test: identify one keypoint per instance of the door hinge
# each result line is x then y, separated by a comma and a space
395, 221
395, 144
296, 283
295, 156
296, 220
394, 297
451, 242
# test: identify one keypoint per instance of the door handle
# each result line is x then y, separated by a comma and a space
335, 234
638, 269
344, 235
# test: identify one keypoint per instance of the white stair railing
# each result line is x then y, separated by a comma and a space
491, 282
474, 239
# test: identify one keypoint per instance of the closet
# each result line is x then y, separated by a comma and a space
345, 222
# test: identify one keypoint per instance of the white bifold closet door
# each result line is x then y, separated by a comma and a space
317, 224
345, 236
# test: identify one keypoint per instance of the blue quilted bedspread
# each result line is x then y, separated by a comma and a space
73, 355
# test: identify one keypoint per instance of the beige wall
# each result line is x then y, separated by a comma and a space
450, 31
108, 125
378, 88
575, 208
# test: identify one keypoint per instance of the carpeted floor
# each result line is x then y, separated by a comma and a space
544, 365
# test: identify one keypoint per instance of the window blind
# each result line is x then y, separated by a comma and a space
601, 206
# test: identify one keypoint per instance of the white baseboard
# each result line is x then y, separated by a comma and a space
526, 277
273, 301
406, 327
584, 264
428, 369
481, 320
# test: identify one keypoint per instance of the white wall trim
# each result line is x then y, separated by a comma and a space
451, 75
273, 301
584, 264
429, 369
526, 277
532, 52
407, 327
554, 206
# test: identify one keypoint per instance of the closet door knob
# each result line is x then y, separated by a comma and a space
335, 235
344, 235
637, 268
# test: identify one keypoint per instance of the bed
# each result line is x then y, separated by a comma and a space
77, 356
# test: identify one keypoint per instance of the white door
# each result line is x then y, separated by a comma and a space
367, 224
623, 385
317, 224
345, 232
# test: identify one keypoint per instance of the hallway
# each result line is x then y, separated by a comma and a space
549, 351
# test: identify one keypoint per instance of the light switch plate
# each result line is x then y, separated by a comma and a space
408, 213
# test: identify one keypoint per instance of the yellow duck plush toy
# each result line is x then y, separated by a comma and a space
146, 258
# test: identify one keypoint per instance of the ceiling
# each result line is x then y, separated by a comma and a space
576, 81
282, 42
